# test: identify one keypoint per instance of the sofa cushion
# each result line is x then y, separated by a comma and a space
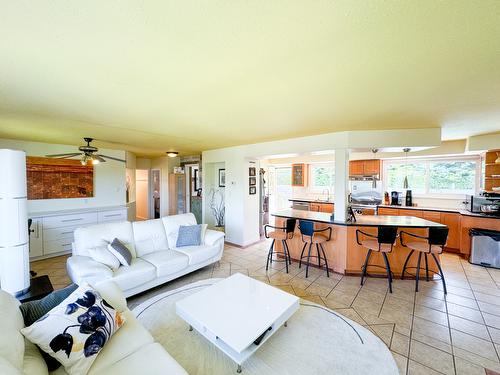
149, 359
102, 235
11, 339
121, 252
102, 255
34, 362
167, 262
172, 224
129, 339
199, 254
149, 236
76, 331
82, 268
138, 273
6, 368
189, 235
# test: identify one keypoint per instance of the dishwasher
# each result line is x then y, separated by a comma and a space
485, 247
304, 206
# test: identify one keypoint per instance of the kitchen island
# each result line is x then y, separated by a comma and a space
344, 254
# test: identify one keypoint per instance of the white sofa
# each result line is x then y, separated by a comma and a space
131, 350
155, 258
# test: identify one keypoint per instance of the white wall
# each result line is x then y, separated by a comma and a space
109, 178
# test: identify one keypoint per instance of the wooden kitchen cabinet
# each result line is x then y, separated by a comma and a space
434, 216
314, 207
326, 207
452, 221
387, 211
356, 167
368, 167
409, 212
372, 167
299, 174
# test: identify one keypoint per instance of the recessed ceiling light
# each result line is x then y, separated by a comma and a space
172, 154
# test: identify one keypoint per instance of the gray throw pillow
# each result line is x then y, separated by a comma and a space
189, 235
119, 250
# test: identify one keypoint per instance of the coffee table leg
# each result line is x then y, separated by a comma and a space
190, 327
286, 324
239, 369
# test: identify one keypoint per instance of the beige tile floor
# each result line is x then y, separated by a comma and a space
427, 332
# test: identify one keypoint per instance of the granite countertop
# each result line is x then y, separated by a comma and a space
310, 200
361, 220
452, 210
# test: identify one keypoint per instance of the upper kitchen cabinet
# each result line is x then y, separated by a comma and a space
370, 167
299, 174
491, 171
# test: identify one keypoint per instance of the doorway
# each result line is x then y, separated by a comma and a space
155, 193
142, 194
280, 188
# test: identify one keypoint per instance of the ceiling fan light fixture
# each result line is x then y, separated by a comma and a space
172, 154
95, 161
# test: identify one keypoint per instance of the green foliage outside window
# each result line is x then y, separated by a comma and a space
322, 176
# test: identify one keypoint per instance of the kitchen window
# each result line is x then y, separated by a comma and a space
322, 176
433, 177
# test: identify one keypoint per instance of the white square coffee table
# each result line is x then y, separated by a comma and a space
238, 314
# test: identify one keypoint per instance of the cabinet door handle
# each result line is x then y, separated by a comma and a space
66, 244
66, 232
68, 220
112, 215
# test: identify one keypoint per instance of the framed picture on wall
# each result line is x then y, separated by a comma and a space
252, 190
222, 178
252, 171
252, 181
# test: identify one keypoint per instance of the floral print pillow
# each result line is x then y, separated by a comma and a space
75, 331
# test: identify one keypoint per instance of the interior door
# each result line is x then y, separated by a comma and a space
280, 188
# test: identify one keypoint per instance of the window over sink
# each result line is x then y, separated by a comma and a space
322, 176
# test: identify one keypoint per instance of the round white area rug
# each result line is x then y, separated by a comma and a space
316, 341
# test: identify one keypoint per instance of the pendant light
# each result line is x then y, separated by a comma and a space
374, 182
405, 181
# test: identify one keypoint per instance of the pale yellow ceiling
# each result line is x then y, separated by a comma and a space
196, 75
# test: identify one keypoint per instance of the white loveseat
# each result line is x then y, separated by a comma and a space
155, 258
131, 350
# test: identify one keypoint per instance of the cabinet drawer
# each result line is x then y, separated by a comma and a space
387, 211
414, 213
56, 246
69, 220
115, 215
52, 234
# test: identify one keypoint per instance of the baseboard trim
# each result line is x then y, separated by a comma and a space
241, 246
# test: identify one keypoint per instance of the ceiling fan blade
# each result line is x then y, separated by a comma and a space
112, 158
99, 157
67, 155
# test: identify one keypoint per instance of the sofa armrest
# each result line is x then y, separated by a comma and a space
85, 269
112, 293
212, 236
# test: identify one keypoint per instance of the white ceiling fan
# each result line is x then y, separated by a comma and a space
87, 153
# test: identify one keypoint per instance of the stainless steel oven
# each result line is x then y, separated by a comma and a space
304, 206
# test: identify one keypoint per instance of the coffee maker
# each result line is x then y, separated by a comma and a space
408, 199
395, 198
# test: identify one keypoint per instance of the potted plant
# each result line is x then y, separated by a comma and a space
217, 207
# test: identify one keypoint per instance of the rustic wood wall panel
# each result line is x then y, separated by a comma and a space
59, 178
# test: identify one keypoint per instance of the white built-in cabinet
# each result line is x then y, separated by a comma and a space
52, 234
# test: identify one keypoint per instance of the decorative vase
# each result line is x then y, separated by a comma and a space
220, 228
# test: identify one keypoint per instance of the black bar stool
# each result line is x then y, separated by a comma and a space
281, 234
383, 242
434, 244
313, 236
